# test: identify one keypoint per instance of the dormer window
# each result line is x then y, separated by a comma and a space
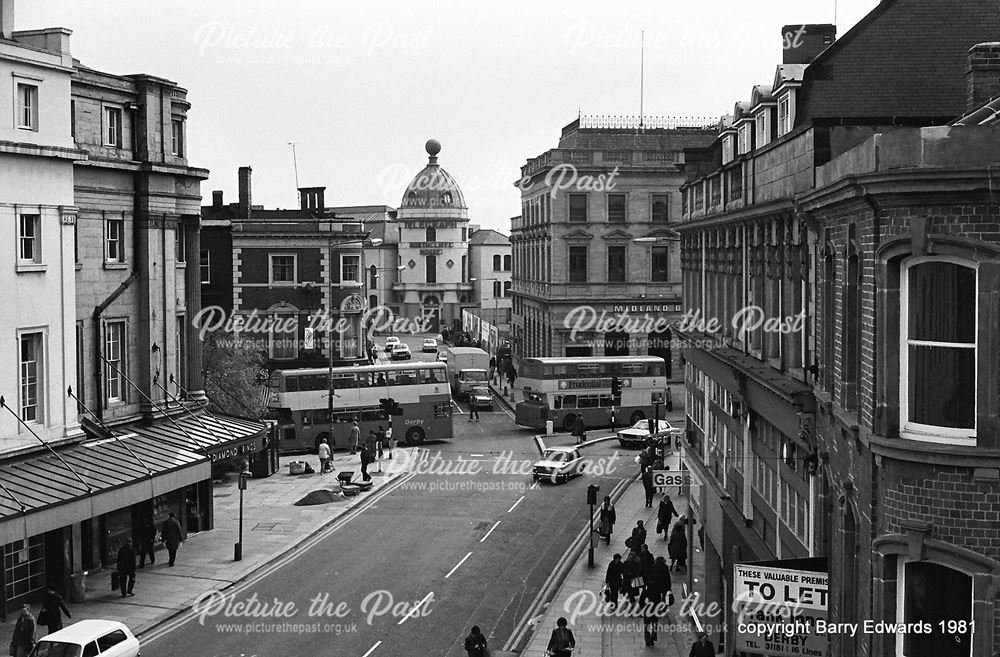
786, 112
744, 142
761, 127
727, 149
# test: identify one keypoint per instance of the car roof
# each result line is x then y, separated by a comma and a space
86, 630
560, 448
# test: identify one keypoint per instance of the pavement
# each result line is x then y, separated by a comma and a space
271, 527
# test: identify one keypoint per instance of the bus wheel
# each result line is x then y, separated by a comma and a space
320, 438
568, 421
638, 415
414, 436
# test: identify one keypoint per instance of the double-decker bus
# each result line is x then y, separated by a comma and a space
301, 398
560, 389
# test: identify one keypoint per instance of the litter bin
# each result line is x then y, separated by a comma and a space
549, 428
78, 587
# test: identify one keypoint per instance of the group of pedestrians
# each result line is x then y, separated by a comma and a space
372, 449
125, 568
561, 641
50, 615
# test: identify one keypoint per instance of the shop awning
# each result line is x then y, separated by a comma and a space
54, 489
219, 436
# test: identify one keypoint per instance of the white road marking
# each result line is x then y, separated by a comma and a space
489, 532
455, 404
477, 455
515, 504
415, 608
452, 571
533, 486
372, 649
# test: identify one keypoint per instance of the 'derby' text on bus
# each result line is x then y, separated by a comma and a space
560, 389
300, 403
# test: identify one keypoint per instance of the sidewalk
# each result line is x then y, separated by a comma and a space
271, 526
616, 636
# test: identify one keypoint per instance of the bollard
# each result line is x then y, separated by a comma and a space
549, 428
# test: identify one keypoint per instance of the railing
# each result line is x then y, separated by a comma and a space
621, 122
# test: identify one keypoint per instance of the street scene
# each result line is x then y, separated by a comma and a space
480, 330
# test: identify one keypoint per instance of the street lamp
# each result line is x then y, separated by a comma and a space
238, 548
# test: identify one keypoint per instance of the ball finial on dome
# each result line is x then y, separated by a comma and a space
433, 147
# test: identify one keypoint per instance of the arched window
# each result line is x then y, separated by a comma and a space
432, 235
506, 288
373, 277
430, 263
372, 301
496, 288
496, 263
506, 263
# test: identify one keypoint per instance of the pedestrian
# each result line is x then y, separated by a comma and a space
646, 563
172, 536
370, 443
493, 367
473, 409
512, 377
126, 568
677, 546
638, 535
324, 458
53, 608
475, 643
23, 641
561, 643
647, 485
660, 579
651, 604
355, 437
381, 442
390, 441
366, 458
665, 514
147, 537
613, 579
702, 647
607, 519
630, 575
579, 429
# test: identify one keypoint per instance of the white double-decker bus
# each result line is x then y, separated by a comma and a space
300, 403
561, 389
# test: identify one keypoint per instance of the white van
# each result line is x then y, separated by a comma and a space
89, 638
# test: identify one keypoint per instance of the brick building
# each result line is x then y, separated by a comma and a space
864, 433
596, 233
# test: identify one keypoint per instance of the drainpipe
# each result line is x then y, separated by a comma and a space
98, 352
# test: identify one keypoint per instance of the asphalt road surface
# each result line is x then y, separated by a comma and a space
468, 540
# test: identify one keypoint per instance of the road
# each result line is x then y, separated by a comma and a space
468, 540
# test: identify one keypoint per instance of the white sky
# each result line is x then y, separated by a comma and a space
360, 87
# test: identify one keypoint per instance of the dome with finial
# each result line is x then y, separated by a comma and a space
433, 187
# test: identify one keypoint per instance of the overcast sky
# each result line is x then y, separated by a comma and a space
360, 87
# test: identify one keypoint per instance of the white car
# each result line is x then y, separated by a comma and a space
480, 397
636, 435
89, 637
558, 464
400, 352
442, 358
391, 342
430, 345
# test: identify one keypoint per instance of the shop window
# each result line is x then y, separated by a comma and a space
941, 598
24, 566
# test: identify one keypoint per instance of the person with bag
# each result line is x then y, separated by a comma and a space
631, 577
52, 606
324, 457
561, 643
172, 535
475, 643
665, 513
613, 579
579, 429
677, 546
607, 519
23, 641
638, 535
366, 459
651, 604
126, 568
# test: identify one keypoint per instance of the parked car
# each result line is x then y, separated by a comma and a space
89, 637
442, 357
430, 345
480, 397
558, 464
391, 342
635, 436
400, 352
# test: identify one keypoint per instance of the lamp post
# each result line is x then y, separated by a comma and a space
238, 548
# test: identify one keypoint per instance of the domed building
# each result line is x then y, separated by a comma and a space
433, 222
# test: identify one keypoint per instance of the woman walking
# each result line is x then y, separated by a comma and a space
607, 520
677, 547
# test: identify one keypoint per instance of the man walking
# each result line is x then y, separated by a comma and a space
147, 536
126, 568
579, 429
172, 535
647, 484
366, 459
702, 647
561, 643
613, 579
475, 643
381, 445
324, 458
473, 409
53, 608
665, 515
355, 437
23, 640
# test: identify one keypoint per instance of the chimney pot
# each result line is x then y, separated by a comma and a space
6, 18
217, 199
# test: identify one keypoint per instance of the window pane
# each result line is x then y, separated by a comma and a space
577, 207
616, 264
578, 264
942, 302
616, 208
660, 263
942, 386
659, 208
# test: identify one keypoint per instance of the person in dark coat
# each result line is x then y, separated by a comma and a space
613, 578
607, 519
126, 568
475, 643
366, 459
665, 514
660, 579
561, 642
651, 604
23, 641
147, 536
630, 570
646, 563
53, 607
638, 535
579, 429
677, 547
702, 647
647, 484
172, 535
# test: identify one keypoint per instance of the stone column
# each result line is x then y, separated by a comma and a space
192, 304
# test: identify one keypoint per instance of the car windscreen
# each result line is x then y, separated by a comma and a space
56, 649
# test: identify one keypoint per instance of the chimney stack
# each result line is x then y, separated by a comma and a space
312, 198
982, 77
6, 18
245, 197
217, 200
801, 43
